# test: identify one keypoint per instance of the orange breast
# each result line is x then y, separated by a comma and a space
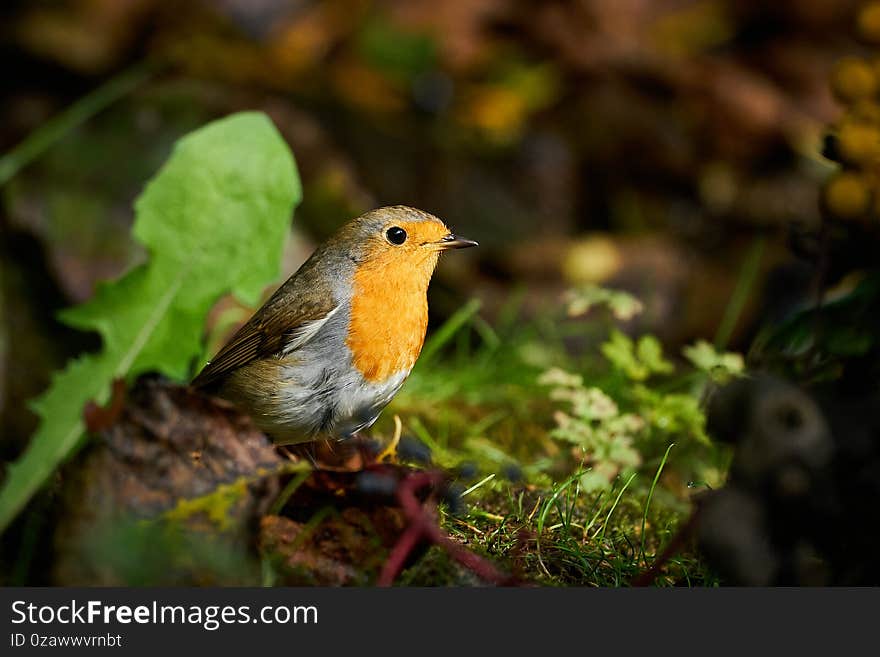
389, 317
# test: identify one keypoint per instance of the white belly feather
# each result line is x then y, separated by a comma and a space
319, 392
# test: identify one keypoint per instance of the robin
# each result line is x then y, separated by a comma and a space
333, 345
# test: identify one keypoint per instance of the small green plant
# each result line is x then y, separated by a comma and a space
637, 360
627, 418
214, 219
623, 305
602, 445
720, 367
595, 424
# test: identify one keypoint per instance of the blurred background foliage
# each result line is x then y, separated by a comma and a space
637, 144
674, 151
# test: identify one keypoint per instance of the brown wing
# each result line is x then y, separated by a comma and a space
272, 328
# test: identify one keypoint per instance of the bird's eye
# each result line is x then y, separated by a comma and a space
396, 235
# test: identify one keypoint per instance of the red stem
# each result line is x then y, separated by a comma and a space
423, 527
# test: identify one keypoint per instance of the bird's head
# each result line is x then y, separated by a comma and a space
399, 239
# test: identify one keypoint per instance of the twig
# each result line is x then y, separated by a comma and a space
423, 527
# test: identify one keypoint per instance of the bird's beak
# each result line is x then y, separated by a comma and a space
454, 242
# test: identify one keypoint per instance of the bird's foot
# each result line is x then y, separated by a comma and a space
389, 454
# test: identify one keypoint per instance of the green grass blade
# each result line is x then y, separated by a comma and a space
289, 490
449, 329
545, 509
485, 480
746, 280
614, 506
651, 495
36, 143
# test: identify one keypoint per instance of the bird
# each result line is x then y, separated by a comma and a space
325, 354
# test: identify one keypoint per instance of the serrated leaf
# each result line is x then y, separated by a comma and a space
623, 306
620, 352
650, 353
720, 366
214, 220
673, 413
638, 361
556, 376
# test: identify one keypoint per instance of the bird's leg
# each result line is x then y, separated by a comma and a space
299, 451
337, 455
309, 452
290, 456
390, 452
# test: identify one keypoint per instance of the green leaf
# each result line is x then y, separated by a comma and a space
556, 376
623, 306
719, 366
651, 354
636, 361
620, 352
214, 220
672, 414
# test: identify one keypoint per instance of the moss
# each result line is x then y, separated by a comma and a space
217, 506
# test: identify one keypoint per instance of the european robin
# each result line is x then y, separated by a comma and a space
332, 346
